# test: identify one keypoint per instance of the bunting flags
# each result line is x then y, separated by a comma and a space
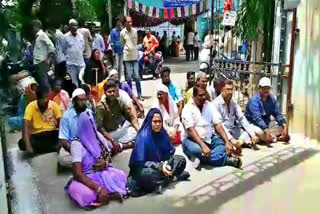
170, 13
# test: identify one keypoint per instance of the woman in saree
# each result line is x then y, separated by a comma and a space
95, 181
153, 164
59, 96
27, 97
170, 114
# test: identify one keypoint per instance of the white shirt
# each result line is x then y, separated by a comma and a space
87, 37
43, 46
123, 98
212, 92
73, 47
59, 52
208, 41
190, 38
203, 122
129, 41
196, 41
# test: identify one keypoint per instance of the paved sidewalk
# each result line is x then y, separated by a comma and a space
282, 179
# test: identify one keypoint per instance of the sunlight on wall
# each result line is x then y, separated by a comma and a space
306, 80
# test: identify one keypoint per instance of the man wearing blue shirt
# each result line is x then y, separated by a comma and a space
117, 47
69, 126
259, 109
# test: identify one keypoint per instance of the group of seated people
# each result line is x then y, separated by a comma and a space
212, 130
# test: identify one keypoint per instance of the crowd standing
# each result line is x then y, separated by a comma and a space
88, 115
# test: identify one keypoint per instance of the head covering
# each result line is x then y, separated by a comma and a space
265, 82
89, 136
162, 88
112, 72
78, 92
151, 146
73, 21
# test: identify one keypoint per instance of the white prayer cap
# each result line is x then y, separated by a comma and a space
162, 88
265, 82
113, 72
78, 92
73, 21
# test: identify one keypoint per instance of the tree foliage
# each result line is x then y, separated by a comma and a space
256, 17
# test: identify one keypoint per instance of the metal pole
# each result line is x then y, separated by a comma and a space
110, 15
212, 8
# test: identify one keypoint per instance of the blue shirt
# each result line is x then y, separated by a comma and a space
259, 113
115, 41
69, 125
98, 43
73, 47
175, 92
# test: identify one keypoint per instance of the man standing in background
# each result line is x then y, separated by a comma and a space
73, 48
87, 40
117, 47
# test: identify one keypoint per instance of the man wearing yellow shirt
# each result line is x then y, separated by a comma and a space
40, 126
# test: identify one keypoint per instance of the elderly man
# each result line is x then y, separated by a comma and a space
41, 120
73, 49
174, 91
69, 126
201, 120
259, 109
202, 81
129, 41
43, 49
114, 118
87, 40
231, 113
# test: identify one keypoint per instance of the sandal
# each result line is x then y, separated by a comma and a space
236, 162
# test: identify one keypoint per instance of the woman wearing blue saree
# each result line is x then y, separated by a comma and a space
153, 164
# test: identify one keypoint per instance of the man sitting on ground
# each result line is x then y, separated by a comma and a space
233, 119
201, 119
259, 109
202, 81
68, 126
41, 120
125, 87
110, 122
174, 91
191, 80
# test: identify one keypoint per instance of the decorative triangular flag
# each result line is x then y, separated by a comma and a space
186, 11
144, 7
130, 4
136, 6
179, 12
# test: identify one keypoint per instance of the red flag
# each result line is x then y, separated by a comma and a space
228, 5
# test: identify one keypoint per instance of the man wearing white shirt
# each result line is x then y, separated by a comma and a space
196, 43
200, 143
43, 48
190, 46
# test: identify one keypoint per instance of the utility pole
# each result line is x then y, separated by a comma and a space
110, 15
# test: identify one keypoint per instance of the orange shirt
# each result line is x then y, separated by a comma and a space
150, 42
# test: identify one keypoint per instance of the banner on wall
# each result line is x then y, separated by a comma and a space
178, 3
229, 18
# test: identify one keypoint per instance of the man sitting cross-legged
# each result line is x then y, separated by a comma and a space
201, 143
115, 120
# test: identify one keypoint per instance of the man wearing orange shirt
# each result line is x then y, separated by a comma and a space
150, 42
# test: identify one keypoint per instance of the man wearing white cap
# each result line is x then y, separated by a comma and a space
259, 109
69, 127
73, 48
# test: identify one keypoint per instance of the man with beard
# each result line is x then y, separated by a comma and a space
68, 126
114, 119
233, 118
41, 120
205, 140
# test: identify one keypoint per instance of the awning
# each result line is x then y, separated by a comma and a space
145, 15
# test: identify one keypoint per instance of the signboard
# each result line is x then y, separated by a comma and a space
229, 18
179, 3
